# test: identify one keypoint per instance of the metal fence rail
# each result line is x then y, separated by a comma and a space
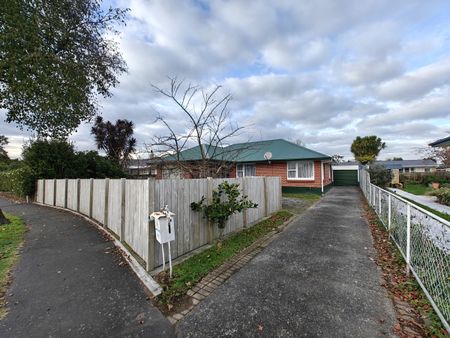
422, 238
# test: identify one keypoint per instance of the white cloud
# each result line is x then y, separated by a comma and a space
324, 71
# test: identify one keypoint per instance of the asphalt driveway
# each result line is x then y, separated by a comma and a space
69, 283
315, 280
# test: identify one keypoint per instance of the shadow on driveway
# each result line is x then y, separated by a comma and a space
68, 283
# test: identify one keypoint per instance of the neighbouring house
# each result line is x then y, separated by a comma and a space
443, 142
300, 168
140, 168
410, 166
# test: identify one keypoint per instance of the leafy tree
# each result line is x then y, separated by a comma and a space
379, 175
54, 60
337, 158
57, 159
91, 164
50, 158
3, 143
397, 159
367, 148
115, 139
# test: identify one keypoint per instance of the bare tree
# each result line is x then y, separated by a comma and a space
206, 123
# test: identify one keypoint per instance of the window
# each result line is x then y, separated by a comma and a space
300, 170
244, 170
427, 170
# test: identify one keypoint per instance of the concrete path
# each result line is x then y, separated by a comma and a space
315, 280
429, 201
68, 283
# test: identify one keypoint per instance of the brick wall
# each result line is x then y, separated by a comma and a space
280, 169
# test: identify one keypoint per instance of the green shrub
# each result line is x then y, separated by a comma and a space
379, 175
443, 195
20, 181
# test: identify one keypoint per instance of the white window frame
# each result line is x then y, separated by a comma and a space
296, 178
243, 169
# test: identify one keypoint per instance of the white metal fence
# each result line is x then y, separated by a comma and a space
422, 238
123, 207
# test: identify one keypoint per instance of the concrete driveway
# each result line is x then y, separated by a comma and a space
315, 280
69, 283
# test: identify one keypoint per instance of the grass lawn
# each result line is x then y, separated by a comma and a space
303, 196
416, 188
189, 272
11, 237
437, 213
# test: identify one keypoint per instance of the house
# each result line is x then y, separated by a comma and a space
444, 142
300, 168
140, 168
410, 166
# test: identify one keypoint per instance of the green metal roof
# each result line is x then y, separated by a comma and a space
254, 152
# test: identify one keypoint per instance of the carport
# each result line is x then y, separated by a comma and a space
346, 174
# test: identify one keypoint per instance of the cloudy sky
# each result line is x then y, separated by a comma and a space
322, 71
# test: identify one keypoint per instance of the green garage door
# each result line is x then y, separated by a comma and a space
345, 177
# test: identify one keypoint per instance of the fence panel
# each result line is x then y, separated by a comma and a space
60, 197
422, 238
136, 216
255, 192
273, 187
40, 191
98, 200
49, 197
72, 194
85, 196
128, 208
115, 205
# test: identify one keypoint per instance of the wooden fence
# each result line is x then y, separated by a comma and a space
123, 207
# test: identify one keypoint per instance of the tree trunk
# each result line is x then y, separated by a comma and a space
3, 219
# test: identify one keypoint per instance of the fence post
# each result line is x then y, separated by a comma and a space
209, 200
91, 196
78, 194
266, 197
105, 215
389, 212
54, 192
122, 208
379, 201
408, 237
244, 193
66, 183
151, 226
43, 191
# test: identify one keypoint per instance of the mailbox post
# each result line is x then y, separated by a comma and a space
164, 231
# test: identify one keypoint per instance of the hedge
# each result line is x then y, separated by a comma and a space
20, 181
443, 195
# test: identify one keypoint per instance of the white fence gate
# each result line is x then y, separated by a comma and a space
422, 238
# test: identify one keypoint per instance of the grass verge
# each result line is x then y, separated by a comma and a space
433, 211
417, 188
421, 320
192, 270
11, 238
304, 196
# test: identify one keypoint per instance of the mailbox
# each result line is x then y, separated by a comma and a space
164, 226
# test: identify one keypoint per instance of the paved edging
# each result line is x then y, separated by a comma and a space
218, 276
150, 284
